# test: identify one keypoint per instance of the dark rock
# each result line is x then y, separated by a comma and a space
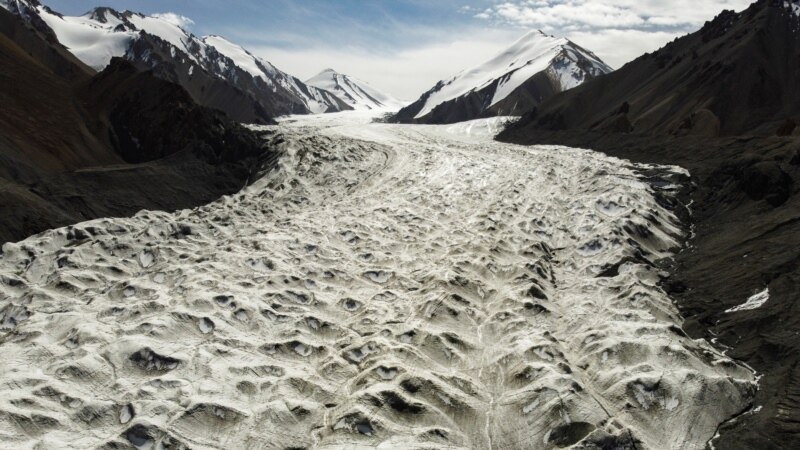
766, 180
116, 143
570, 434
729, 78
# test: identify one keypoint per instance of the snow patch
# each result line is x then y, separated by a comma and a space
90, 40
754, 302
794, 7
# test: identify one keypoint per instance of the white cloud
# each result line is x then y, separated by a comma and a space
175, 19
549, 16
554, 14
617, 47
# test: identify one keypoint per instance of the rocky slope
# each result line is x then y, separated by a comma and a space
737, 75
533, 69
721, 102
75, 146
356, 93
215, 72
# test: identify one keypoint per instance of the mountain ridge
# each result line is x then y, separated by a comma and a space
533, 68
210, 75
76, 145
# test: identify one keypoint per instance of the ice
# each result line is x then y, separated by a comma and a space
477, 321
754, 302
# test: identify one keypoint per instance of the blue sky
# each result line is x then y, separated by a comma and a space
405, 46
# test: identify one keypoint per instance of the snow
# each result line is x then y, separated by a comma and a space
533, 53
480, 128
91, 41
103, 33
241, 57
567, 71
793, 6
316, 101
527, 57
356, 93
15, 5
95, 39
164, 29
754, 302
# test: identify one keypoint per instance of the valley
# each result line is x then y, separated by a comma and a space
386, 286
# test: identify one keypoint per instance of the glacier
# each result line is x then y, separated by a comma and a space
386, 286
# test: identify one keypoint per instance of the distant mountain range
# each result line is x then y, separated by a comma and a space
533, 69
216, 72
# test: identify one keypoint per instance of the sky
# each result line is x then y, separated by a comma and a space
403, 47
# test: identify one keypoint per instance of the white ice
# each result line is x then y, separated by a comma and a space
387, 286
754, 302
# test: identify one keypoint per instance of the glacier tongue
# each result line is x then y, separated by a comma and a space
386, 287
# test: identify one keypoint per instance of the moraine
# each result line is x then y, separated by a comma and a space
388, 286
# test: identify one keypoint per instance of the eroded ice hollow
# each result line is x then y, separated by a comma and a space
387, 286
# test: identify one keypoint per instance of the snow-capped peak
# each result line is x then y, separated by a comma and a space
533, 53
316, 100
255, 66
105, 15
24, 8
165, 29
16, 5
356, 93
104, 33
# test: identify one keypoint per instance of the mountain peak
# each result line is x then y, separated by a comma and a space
356, 93
20, 6
215, 71
535, 34
101, 14
561, 64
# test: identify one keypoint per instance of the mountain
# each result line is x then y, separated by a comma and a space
737, 75
316, 100
215, 72
534, 68
75, 145
356, 93
724, 103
